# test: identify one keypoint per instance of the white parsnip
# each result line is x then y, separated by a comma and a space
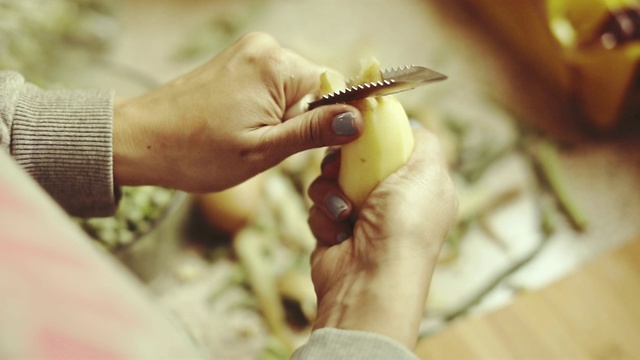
250, 245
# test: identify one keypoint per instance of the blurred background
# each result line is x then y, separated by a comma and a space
539, 120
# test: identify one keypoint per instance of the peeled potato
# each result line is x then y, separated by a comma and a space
384, 146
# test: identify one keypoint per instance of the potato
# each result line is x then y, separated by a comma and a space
384, 146
230, 210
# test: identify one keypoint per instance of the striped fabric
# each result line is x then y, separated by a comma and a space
62, 138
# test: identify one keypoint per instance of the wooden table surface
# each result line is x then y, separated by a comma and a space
594, 313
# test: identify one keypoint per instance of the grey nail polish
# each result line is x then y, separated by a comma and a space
343, 124
336, 205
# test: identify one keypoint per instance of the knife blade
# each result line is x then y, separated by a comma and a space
393, 81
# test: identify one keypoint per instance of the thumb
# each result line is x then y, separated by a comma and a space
324, 126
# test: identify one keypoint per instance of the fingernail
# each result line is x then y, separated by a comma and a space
342, 237
336, 205
343, 124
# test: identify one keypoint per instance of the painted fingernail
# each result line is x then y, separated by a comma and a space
344, 124
342, 237
336, 205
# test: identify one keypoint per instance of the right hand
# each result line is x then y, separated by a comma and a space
226, 120
374, 275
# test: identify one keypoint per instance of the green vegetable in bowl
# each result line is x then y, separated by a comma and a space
140, 209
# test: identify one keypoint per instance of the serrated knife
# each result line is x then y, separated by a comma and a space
393, 81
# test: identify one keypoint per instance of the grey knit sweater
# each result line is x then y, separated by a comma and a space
62, 138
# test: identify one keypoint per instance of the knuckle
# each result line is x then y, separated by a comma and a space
313, 131
315, 190
257, 39
314, 219
260, 47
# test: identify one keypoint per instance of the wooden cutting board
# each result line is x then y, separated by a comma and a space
594, 313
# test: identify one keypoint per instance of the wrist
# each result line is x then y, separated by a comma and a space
377, 302
133, 160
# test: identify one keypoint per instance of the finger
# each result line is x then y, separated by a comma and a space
330, 166
299, 107
327, 195
324, 126
302, 77
327, 231
301, 85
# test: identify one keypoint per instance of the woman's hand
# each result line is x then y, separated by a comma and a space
374, 274
225, 121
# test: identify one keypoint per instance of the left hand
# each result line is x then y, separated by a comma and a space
374, 275
226, 121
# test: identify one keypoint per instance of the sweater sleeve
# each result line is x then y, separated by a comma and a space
62, 138
336, 344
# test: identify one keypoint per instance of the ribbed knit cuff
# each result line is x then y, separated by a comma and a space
339, 344
63, 139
